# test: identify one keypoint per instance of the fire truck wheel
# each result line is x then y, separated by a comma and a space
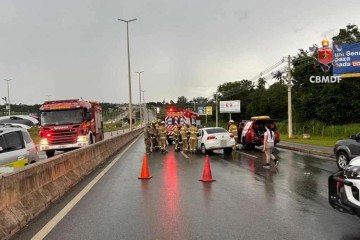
50, 153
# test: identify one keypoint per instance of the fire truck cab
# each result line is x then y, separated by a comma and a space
69, 124
175, 116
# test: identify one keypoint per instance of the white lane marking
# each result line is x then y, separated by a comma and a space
247, 154
186, 156
55, 220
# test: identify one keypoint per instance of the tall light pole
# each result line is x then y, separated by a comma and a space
144, 104
128, 50
289, 99
48, 97
8, 98
140, 95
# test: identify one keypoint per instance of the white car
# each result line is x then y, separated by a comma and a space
214, 138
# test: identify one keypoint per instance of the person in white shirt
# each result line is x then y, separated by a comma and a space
268, 147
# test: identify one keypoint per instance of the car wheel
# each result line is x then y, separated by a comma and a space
228, 150
203, 149
342, 159
50, 153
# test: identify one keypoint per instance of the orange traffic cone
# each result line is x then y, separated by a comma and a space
207, 177
145, 173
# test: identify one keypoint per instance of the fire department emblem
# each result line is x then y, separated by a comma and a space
325, 56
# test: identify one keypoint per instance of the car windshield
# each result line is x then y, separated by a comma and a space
216, 130
61, 117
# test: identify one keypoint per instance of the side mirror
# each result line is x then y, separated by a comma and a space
1, 149
88, 116
354, 137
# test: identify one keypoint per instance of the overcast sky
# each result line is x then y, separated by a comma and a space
77, 48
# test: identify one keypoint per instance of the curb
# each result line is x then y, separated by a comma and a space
309, 151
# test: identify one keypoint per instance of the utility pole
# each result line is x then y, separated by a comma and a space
48, 97
8, 98
128, 50
216, 106
290, 130
143, 110
140, 96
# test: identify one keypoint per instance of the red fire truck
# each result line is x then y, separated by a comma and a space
69, 124
175, 116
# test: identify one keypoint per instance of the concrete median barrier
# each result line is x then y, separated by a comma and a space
26, 193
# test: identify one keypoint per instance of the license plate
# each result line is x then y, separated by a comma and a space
223, 143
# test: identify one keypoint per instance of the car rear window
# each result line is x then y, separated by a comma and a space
13, 141
215, 130
260, 124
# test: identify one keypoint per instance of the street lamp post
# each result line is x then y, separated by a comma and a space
48, 97
140, 96
8, 98
143, 101
128, 50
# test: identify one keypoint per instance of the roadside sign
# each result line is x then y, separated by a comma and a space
208, 110
230, 106
201, 110
347, 60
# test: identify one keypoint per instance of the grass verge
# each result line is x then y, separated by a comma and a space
314, 140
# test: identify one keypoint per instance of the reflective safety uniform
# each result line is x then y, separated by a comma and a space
157, 137
193, 138
177, 138
234, 130
147, 139
162, 136
184, 138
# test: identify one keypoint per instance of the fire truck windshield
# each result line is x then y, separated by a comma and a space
61, 117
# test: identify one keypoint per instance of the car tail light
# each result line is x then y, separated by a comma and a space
251, 133
232, 135
211, 137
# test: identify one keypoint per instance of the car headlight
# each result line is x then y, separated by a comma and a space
82, 139
352, 171
44, 141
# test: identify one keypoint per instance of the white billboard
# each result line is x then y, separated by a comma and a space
230, 106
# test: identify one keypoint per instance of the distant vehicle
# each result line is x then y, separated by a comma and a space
175, 116
19, 120
69, 124
214, 138
253, 132
347, 149
17, 149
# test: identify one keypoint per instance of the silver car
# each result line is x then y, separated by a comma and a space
17, 149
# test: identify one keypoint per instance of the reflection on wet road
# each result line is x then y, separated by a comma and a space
246, 202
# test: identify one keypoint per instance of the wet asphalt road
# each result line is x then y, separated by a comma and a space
246, 201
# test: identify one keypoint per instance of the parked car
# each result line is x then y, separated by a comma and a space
252, 132
17, 149
347, 149
213, 138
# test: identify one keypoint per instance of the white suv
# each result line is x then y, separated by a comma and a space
16, 147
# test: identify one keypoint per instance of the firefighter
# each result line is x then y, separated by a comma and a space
184, 137
193, 138
234, 130
162, 135
177, 137
147, 138
153, 136
157, 136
